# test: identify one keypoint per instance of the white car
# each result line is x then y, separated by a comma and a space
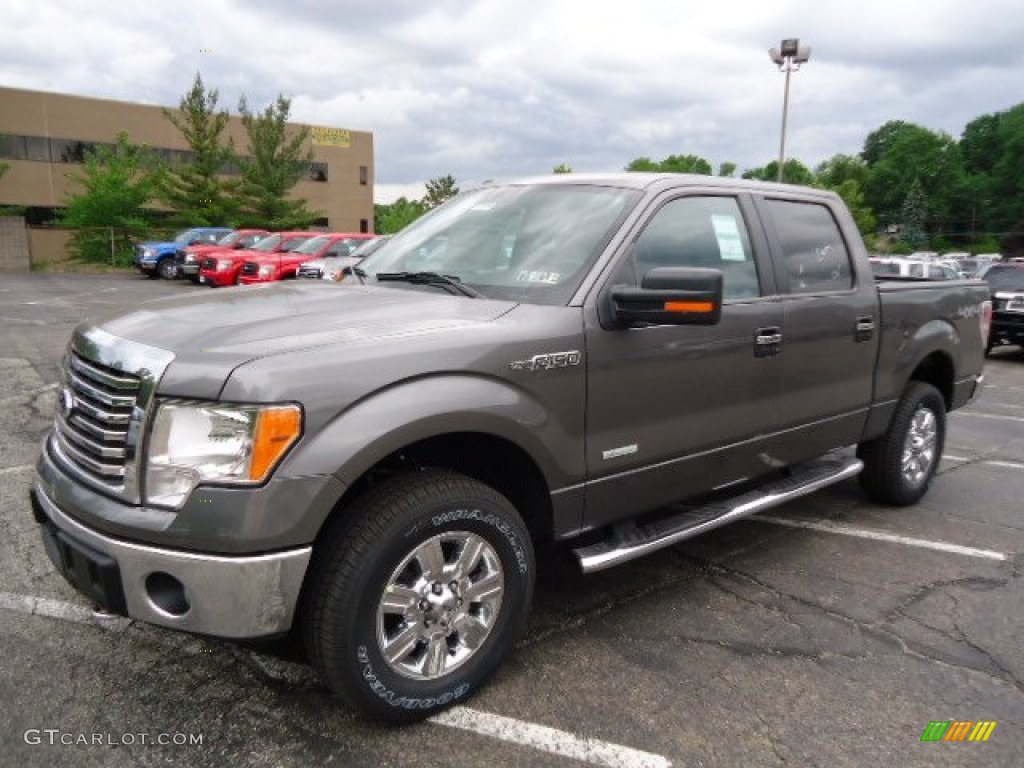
896, 266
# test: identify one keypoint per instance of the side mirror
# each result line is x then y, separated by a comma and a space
671, 296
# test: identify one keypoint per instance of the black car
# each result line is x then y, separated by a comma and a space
1006, 282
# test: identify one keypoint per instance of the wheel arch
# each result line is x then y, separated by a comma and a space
937, 369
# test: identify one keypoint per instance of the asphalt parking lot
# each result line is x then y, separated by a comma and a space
830, 632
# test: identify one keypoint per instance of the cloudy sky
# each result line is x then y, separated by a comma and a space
495, 88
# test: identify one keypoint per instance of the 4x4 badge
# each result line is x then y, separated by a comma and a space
548, 361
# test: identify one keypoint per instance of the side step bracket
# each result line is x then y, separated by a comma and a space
635, 541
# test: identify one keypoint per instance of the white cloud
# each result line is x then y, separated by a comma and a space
510, 87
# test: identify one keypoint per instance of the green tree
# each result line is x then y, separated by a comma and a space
195, 190
114, 188
838, 169
992, 147
278, 157
899, 154
913, 215
727, 169
439, 190
389, 219
562, 168
672, 164
794, 172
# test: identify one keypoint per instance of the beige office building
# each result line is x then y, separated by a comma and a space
44, 136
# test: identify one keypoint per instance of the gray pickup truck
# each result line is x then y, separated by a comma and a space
622, 361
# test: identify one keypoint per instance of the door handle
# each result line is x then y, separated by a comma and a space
865, 329
767, 341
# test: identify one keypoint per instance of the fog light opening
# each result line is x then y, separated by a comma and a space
167, 593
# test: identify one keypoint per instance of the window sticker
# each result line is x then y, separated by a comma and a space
727, 232
529, 276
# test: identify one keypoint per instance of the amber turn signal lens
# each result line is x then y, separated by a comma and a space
277, 429
689, 306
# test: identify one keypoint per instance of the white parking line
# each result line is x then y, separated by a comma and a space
545, 739
862, 533
17, 469
60, 609
993, 416
1006, 464
526, 734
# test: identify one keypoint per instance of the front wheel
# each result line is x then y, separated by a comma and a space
899, 465
417, 593
167, 269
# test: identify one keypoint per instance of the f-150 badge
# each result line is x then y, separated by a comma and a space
547, 361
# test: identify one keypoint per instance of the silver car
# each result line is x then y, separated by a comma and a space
329, 267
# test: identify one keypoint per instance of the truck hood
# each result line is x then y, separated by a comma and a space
211, 333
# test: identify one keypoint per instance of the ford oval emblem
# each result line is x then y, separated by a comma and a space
67, 402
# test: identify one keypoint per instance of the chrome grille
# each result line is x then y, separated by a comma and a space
209, 264
313, 272
94, 418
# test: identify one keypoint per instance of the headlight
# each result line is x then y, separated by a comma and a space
148, 253
193, 443
266, 270
190, 258
223, 264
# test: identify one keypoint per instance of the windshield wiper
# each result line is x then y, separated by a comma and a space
430, 278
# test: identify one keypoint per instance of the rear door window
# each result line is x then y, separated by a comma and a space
815, 257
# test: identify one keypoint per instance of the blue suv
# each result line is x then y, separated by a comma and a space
157, 259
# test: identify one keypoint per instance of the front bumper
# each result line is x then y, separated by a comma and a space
219, 595
223, 279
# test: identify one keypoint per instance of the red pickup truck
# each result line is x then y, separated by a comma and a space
189, 260
223, 267
268, 267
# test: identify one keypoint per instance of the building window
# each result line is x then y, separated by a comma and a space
364, 225
37, 148
318, 171
12, 147
364, 175
70, 150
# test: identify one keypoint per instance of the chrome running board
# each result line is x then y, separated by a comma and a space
632, 541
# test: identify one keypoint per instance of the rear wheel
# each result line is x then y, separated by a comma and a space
899, 465
417, 593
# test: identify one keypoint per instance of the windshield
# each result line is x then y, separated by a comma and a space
521, 243
184, 237
312, 245
369, 246
267, 244
1005, 278
229, 239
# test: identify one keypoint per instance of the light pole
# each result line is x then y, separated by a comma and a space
788, 57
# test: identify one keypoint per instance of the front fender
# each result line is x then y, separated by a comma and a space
414, 410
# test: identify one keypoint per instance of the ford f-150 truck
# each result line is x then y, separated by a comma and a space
373, 463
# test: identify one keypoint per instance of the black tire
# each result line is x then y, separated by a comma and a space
383, 545
899, 465
195, 279
166, 268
